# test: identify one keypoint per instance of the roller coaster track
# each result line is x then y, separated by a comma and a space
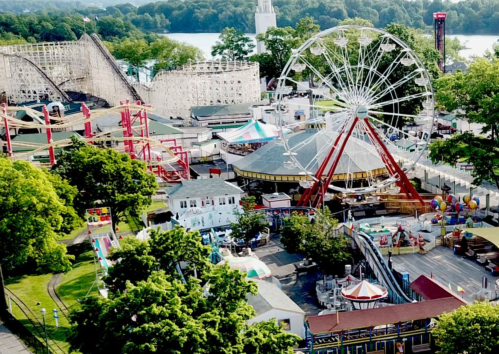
109, 58
42, 73
39, 331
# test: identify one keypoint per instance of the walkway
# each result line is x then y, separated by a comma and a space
9, 343
446, 268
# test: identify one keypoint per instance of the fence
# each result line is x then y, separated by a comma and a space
15, 326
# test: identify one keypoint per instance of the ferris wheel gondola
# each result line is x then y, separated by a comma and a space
365, 85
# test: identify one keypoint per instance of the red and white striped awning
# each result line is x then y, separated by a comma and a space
364, 291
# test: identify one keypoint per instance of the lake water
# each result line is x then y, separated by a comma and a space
477, 45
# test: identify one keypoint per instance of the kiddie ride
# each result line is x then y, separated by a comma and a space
452, 212
403, 238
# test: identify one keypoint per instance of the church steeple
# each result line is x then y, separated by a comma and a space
265, 17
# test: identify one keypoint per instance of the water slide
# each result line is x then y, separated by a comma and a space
101, 248
380, 267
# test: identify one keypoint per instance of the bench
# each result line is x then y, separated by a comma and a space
421, 348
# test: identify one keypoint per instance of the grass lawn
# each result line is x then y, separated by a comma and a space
74, 233
77, 282
32, 289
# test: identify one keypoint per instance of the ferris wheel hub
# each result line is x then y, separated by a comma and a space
361, 112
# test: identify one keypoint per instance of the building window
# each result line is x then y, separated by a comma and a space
286, 324
192, 203
183, 204
232, 200
221, 201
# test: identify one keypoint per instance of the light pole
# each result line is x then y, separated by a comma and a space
44, 312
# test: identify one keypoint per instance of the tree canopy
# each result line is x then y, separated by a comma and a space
474, 97
163, 312
471, 329
33, 212
249, 223
107, 178
463, 17
315, 239
233, 45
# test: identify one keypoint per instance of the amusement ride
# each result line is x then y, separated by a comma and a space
364, 83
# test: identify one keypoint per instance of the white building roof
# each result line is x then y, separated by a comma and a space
198, 188
270, 297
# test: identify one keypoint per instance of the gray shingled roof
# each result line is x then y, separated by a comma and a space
269, 159
225, 109
271, 297
203, 187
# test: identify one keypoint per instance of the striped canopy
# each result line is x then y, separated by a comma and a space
364, 291
253, 266
252, 132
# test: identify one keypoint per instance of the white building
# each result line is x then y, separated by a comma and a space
276, 200
272, 302
265, 17
205, 203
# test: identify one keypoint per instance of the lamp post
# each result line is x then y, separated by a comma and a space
44, 312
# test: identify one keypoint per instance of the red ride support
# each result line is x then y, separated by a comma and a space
310, 191
403, 178
318, 197
7, 131
49, 135
88, 124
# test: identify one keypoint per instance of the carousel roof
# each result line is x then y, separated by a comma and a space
269, 159
364, 291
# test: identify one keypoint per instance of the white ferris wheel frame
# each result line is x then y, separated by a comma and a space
297, 58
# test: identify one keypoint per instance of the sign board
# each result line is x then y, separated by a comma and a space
439, 15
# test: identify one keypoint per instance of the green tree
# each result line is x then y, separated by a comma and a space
473, 96
31, 216
233, 45
279, 42
471, 329
317, 240
166, 315
164, 250
106, 178
249, 223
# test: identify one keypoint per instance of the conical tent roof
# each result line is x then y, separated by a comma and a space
253, 132
364, 291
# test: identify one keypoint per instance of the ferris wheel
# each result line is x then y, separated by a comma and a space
369, 112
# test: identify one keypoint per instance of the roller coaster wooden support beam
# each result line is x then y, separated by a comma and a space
49, 135
411, 191
7, 131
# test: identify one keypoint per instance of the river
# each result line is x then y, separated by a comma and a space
476, 44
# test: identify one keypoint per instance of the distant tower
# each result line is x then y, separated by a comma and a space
439, 28
264, 18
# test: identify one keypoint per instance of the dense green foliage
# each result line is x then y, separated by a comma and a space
161, 312
106, 178
249, 223
317, 240
465, 17
233, 45
475, 97
471, 329
32, 215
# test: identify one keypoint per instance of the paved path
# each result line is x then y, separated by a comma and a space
9, 343
446, 268
300, 288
